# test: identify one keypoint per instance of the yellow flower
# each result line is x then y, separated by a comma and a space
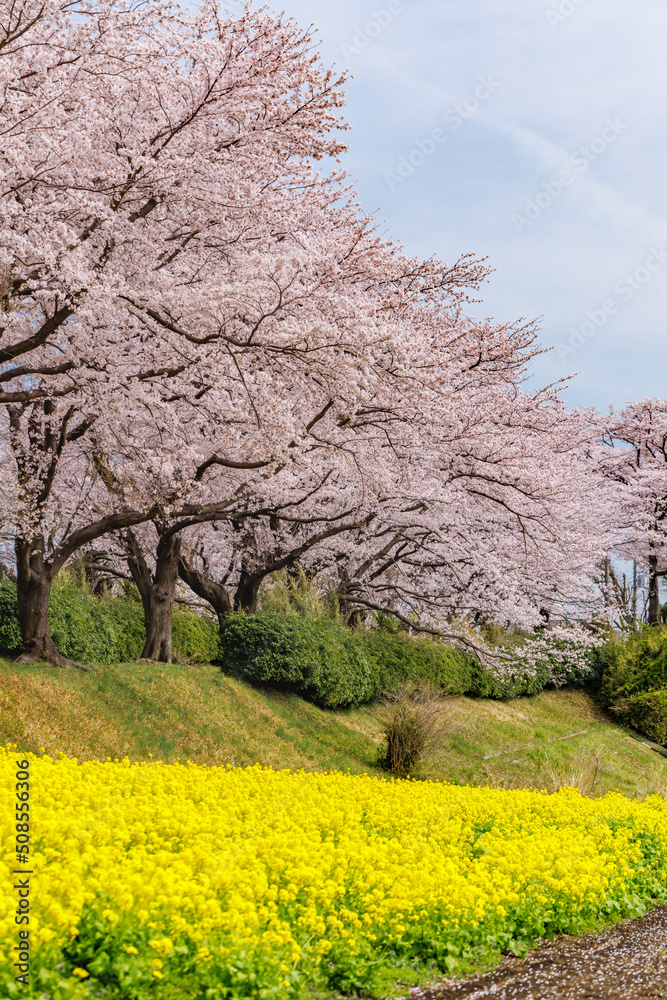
163, 946
218, 861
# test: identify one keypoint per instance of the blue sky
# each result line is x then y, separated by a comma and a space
532, 133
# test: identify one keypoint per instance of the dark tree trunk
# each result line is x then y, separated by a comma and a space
158, 591
246, 597
92, 564
37, 436
209, 590
653, 592
349, 613
33, 586
158, 613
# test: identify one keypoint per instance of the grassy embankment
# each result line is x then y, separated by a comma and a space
136, 710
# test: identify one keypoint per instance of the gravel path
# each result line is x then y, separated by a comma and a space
628, 962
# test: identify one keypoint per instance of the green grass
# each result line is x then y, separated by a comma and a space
197, 713
546, 741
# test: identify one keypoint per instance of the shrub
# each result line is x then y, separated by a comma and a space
105, 630
413, 728
645, 712
633, 680
332, 665
196, 637
335, 666
317, 658
516, 680
11, 642
89, 630
634, 664
295, 594
397, 658
560, 661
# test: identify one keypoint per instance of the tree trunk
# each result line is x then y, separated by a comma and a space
158, 612
158, 591
33, 586
209, 590
348, 612
246, 597
653, 592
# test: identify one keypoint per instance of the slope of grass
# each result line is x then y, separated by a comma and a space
171, 712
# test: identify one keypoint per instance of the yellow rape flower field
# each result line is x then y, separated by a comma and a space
175, 881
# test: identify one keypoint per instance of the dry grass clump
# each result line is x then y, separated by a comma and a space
415, 727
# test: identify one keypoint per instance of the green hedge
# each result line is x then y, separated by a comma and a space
334, 666
646, 713
633, 665
316, 658
633, 682
398, 658
106, 630
515, 683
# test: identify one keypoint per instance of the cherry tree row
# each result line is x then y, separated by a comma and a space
213, 366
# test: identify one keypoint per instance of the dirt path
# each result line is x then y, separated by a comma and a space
628, 962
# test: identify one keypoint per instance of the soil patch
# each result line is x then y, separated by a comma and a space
628, 962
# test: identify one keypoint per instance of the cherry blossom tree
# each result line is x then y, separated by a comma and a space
496, 512
634, 458
459, 495
223, 554
200, 329
132, 138
165, 238
322, 489
507, 525
55, 508
134, 141
225, 562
